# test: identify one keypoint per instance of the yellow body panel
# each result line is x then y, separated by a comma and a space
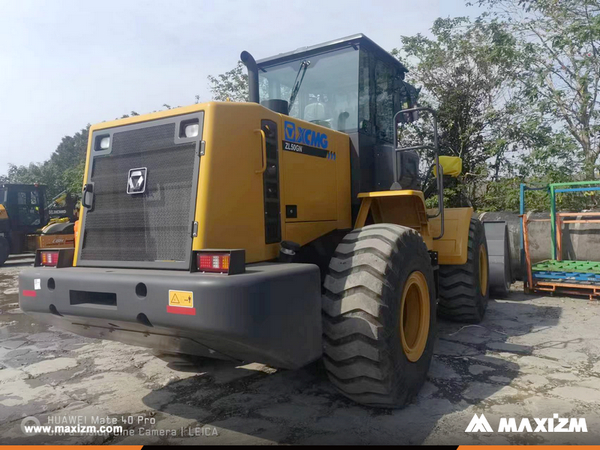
235, 217
318, 187
3, 213
230, 199
407, 208
305, 232
229, 205
452, 247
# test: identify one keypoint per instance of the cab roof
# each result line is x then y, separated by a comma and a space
356, 41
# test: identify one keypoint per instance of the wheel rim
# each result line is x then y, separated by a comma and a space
483, 270
414, 316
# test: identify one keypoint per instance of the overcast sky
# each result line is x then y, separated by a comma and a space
67, 63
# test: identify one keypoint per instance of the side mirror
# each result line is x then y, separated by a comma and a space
452, 166
414, 130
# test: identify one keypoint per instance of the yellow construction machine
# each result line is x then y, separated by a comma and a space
28, 222
282, 230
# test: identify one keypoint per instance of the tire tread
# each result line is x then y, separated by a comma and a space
361, 273
460, 297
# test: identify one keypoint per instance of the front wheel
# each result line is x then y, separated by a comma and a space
379, 312
464, 289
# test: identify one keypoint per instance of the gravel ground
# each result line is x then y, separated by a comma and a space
532, 357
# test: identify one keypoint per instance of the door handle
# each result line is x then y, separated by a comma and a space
263, 140
88, 188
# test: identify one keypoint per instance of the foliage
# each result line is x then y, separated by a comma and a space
516, 109
559, 70
64, 169
466, 70
231, 85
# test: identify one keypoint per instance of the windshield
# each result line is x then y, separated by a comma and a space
328, 92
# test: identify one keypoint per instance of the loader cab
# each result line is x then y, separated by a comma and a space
25, 212
350, 85
25, 205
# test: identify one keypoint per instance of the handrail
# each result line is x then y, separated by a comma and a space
264, 151
435, 148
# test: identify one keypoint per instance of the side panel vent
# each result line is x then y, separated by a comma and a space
271, 185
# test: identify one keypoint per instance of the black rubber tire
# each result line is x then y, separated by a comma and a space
363, 353
4, 250
461, 296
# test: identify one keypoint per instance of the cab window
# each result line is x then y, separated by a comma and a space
327, 88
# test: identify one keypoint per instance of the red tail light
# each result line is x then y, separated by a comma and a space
213, 262
230, 262
54, 257
49, 258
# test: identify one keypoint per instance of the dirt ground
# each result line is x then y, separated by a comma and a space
532, 357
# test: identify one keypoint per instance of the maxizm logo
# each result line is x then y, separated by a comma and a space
305, 136
554, 424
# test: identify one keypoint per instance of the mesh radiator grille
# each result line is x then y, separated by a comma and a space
154, 226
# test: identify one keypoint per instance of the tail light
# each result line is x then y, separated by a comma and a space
54, 258
49, 258
230, 262
213, 262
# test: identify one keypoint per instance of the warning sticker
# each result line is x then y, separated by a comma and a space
184, 299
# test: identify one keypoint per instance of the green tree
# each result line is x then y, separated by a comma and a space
552, 159
559, 73
231, 85
62, 171
466, 70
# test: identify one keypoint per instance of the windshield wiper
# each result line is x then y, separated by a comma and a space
297, 83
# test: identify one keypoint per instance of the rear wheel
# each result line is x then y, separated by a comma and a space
464, 289
379, 315
4, 250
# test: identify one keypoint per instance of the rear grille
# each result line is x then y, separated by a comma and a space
150, 227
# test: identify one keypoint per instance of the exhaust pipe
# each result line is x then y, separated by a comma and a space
250, 63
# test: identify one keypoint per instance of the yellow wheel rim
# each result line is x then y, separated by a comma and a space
414, 316
483, 270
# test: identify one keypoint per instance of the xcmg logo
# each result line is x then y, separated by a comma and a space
554, 424
305, 136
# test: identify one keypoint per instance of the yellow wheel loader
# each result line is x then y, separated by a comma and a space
282, 230
26, 223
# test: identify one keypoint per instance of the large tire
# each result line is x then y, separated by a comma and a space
4, 250
378, 277
463, 292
